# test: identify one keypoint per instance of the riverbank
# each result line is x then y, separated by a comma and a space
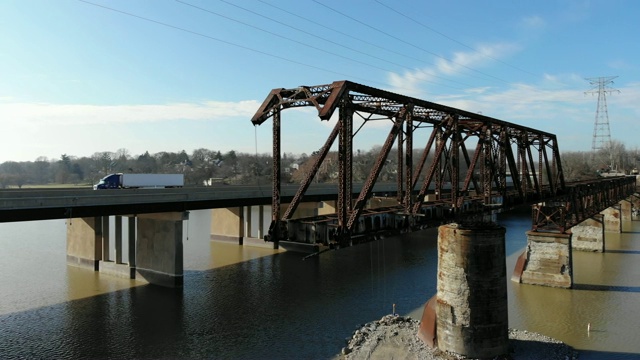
395, 337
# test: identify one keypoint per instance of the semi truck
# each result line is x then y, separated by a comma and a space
133, 181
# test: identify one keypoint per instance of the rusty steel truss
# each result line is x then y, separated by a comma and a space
469, 162
581, 201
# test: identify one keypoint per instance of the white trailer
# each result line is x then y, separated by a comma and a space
131, 181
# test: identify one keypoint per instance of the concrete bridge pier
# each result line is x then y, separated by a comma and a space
546, 260
88, 245
613, 216
228, 224
159, 255
589, 234
114, 265
84, 242
626, 209
469, 314
154, 247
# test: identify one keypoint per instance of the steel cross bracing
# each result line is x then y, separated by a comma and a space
469, 164
581, 201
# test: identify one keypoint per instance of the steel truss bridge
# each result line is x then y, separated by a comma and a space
470, 165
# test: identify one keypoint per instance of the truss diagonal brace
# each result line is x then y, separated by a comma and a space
375, 171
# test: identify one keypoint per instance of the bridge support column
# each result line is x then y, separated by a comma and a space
612, 219
589, 235
635, 205
117, 267
470, 309
159, 253
84, 242
626, 208
546, 260
228, 224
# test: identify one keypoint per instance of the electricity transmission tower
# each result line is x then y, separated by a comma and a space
601, 130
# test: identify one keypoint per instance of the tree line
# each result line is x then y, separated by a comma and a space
204, 166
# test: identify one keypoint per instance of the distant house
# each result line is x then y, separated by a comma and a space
292, 168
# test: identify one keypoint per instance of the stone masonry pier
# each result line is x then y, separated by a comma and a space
469, 314
547, 259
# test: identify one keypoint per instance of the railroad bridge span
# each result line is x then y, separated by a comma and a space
488, 164
470, 166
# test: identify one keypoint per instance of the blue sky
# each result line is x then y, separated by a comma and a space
84, 77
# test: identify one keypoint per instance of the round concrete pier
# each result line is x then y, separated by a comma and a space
471, 307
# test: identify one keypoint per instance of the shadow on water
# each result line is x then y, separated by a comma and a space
632, 252
272, 307
631, 232
608, 355
594, 287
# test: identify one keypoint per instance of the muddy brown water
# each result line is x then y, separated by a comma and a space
249, 303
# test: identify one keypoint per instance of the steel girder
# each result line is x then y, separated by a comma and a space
501, 168
581, 201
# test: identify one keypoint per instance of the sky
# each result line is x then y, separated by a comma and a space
82, 77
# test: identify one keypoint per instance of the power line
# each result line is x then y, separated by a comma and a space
408, 43
324, 26
452, 39
226, 42
354, 38
300, 42
244, 47
335, 30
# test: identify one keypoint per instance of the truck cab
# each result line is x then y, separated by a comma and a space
111, 181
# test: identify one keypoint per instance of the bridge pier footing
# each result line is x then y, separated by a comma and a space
228, 225
155, 247
546, 261
613, 217
469, 314
159, 255
84, 242
589, 235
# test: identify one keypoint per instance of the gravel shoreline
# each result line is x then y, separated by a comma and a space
395, 337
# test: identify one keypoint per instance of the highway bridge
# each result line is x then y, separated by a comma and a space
65, 203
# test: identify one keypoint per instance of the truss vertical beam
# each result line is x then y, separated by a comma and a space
455, 164
344, 165
400, 165
534, 175
408, 163
275, 200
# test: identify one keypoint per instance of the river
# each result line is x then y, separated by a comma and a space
254, 303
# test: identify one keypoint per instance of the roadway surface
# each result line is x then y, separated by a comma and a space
44, 204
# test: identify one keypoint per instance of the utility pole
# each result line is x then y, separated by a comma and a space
601, 130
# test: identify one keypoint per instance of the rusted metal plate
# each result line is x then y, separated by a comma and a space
427, 330
520, 263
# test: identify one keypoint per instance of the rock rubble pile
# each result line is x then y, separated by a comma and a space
395, 337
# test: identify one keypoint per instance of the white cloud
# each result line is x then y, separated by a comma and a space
464, 60
413, 83
78, 114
